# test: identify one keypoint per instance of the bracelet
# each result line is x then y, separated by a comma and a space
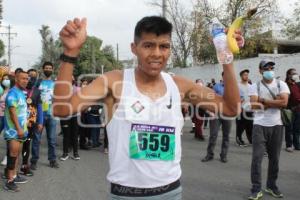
68, 59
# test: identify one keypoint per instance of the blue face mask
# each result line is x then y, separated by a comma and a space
269, 75
6, 83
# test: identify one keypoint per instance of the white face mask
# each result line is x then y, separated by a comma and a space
6, 83
295, 77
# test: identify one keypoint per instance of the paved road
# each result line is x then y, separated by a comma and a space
86, 179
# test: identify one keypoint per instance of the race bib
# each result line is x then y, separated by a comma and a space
149, 142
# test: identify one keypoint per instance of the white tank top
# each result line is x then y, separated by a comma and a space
137, 112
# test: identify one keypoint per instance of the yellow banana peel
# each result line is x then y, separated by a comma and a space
236, 25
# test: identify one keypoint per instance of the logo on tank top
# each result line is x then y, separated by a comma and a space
170, 104
137, 107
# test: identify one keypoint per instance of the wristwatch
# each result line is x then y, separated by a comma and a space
68, 59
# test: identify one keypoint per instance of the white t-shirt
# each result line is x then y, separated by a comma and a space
271, 116
244, 90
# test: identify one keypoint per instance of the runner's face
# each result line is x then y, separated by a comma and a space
152, 52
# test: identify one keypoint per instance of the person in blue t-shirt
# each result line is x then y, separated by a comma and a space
46, 87
15, 129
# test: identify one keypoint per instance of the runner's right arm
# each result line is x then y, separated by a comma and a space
73, 36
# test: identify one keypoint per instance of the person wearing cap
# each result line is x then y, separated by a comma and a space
244, 122
267, 97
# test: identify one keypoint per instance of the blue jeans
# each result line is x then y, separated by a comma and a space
50, 126
95, 130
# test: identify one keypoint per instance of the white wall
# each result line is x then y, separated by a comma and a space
207, 72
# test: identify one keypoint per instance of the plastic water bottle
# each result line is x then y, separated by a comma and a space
224, 55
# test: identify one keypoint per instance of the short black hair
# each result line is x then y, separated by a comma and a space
31, 70
47, 63
152, 24
18, 70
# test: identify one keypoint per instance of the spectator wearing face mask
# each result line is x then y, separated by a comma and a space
5, 84
46, 87
292, 132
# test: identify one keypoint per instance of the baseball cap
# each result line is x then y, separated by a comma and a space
265, 63
243, 71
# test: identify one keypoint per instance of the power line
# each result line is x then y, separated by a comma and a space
164, 8
9, 35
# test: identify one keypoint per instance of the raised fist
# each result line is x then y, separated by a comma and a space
73, 36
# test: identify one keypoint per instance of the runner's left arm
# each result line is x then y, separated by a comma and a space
206, 98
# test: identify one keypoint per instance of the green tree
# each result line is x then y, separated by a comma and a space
51, 48
1, 11
292, 25
257, 41
2, 48
92, 57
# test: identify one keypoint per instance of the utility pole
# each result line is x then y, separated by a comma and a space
164, 8
117, 53
9, 35
93, 59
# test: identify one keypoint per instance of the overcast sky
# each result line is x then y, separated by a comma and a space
111, 20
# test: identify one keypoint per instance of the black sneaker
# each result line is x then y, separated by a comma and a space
96, 145
207, 158
11, 186
33, 166
84, 147
26, 171
255, 195
200, 138
64, 157
240, 142
223, 159
76, 156
20, 179
54, 164
274, 192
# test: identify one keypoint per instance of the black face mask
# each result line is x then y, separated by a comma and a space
48, 73
31, 83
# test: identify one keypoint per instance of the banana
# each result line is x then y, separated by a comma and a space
237, 24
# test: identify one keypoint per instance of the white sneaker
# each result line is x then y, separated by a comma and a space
4, 161
289, 149
106, 151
